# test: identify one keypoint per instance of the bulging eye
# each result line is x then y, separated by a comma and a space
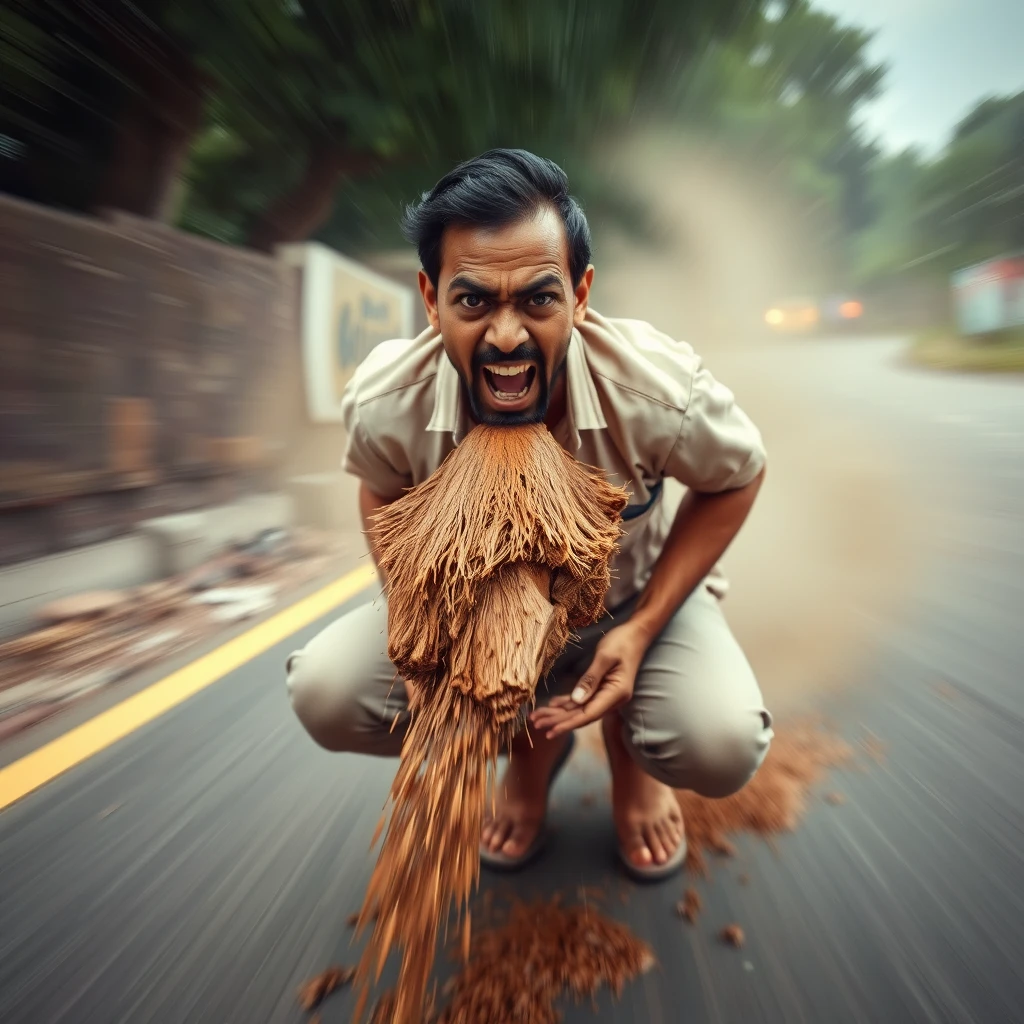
471, 301
543, 299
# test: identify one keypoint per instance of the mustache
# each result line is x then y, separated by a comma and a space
489, 355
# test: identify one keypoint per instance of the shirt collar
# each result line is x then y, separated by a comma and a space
584, 408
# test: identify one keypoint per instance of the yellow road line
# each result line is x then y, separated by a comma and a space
74, 747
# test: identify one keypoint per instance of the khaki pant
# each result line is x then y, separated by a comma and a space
696, 719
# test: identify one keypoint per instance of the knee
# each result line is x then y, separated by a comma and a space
322, 704
715, 759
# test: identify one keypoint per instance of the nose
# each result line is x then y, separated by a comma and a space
506, 330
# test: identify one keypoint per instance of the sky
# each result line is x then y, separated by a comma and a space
943, 57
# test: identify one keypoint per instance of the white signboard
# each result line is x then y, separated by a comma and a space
347, 309
990, 296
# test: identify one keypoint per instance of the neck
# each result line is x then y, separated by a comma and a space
557, 404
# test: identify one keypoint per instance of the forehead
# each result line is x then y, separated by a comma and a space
536, 242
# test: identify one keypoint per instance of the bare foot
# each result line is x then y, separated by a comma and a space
521, 799
647, 816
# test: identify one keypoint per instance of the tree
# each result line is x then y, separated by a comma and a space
274, 104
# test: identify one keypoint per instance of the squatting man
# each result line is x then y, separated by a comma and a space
506, 279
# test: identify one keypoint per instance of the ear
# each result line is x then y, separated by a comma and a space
582, 296
429, 293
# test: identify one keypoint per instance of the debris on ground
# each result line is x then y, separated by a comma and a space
88, 641
689, 907
835, 799
313, 992
546, 950
721, 845
732, 935
772, 802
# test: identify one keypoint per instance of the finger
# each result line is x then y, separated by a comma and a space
596, 708
591, 679
539, 721
545, 725
555, 702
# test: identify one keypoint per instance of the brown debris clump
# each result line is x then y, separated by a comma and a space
489, 564
516, 972
690, 906
316, 990
732, 935
772, 802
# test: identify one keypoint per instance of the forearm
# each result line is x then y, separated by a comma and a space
369, 504
704, 527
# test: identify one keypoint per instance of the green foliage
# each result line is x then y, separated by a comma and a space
964, 206
392, 91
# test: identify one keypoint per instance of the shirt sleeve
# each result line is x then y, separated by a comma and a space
362, 457
718, 447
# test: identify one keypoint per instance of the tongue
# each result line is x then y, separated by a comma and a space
511, 385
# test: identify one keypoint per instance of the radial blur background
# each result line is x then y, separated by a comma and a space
199, 207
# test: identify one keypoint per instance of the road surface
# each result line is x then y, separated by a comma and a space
200, 869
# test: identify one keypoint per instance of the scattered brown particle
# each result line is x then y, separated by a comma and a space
835, 799
772, 802
689, 907
317, 989
722, 846
946, 691
587, 800
546, 951
732, 934
743, 879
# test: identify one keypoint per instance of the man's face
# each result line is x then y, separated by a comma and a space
505, 307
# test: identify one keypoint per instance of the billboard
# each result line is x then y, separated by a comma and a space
989, 296
347, 309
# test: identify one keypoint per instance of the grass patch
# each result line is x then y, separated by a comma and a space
944, 349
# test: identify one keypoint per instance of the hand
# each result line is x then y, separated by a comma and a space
606, 685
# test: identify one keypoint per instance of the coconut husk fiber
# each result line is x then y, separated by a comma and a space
489, 564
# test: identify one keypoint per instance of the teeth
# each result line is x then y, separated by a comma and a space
508, 395
508, 371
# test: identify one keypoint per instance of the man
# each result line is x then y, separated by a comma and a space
506, 279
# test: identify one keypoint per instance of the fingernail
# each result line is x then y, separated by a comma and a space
579, 695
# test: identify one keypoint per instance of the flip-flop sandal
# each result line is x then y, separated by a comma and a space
502, 862
654, 872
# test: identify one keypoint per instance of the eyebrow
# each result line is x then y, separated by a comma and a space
465, 282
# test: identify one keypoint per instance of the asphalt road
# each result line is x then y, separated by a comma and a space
198, 870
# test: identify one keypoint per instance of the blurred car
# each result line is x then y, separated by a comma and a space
804, 315
793, 315
841, 312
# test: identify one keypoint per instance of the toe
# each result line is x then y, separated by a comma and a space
636, 848
654, 844
499, 835
518, 842
667, 835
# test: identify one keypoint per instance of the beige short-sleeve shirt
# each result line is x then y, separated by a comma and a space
640, 406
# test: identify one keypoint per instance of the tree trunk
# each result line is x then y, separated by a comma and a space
298, 213
152, 142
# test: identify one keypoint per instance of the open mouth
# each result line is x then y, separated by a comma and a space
510, 382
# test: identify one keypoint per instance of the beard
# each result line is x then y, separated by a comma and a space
490, 355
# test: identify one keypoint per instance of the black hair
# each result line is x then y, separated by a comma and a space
496, 188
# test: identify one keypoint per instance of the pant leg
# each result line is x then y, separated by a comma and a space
697, 719
345, 690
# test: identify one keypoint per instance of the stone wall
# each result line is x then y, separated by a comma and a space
145, 371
